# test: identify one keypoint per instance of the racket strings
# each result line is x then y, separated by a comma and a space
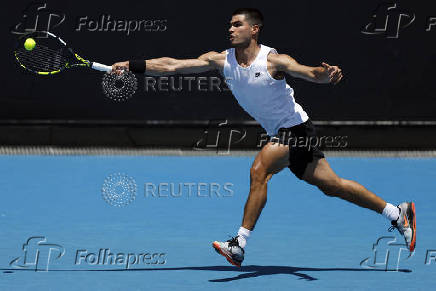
39, 56
42, 58
42, 64
38, 60
42, 55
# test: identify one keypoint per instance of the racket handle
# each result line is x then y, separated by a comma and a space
101, 67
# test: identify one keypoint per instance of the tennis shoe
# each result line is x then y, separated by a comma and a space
230, 250
406, 224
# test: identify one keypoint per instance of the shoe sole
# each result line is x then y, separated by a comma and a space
217, 248
413, 216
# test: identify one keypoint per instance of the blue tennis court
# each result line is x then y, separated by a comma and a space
64, 227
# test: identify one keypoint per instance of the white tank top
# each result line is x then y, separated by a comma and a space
271, 102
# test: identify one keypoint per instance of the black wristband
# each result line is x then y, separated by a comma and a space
137, 66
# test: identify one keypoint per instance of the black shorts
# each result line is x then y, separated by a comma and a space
303, 149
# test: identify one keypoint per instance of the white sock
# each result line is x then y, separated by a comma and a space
391, 212
243, 235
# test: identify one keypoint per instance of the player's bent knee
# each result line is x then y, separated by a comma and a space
258, 175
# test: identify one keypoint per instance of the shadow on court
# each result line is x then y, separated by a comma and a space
246, 271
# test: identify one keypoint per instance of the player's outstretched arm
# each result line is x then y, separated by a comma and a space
169, 66
323, 74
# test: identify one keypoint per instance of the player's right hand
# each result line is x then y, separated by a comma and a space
119, 67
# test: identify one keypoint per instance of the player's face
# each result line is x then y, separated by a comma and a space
240, 31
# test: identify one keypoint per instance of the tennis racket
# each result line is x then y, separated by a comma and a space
51, 55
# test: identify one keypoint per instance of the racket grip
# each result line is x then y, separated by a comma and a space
101, 67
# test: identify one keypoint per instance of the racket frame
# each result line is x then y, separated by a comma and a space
81, 61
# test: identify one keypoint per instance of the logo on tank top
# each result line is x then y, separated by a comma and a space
257, 74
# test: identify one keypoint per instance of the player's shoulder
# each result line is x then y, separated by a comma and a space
213, 56
279, 61
276, 58
218, 56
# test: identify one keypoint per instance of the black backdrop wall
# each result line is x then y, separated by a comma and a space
386, 50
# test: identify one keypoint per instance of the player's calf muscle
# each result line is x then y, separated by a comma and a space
332, 188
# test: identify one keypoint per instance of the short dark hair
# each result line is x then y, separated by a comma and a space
253, 15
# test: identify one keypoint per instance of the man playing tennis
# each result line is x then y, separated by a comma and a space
255, 75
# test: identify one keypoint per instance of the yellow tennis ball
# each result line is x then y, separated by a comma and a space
29, 44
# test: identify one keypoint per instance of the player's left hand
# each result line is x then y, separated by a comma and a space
333, 73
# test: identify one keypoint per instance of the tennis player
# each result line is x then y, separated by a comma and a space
255, 75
